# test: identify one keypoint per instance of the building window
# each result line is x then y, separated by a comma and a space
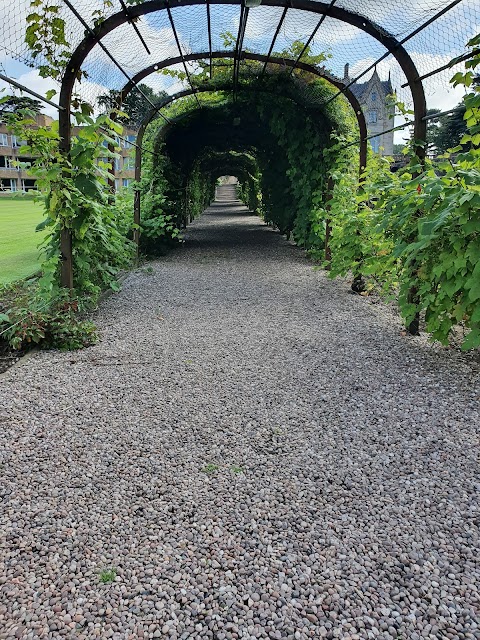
128, 164
118, 164
13, 185
130, 140
3, 140
29, 185
7, 163
372, 116
117, 184
375, 142
18, 143
125, 182
374, 96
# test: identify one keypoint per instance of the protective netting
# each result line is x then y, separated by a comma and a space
298, 88
340, 42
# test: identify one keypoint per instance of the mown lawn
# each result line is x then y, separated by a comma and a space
19, 255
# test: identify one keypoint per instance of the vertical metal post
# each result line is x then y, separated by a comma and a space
420, 135
66, 271
363, 156
137, 195
328, 228
66, 248
358, 284
209, 25
111, 178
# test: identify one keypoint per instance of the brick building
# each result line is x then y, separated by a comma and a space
14, 179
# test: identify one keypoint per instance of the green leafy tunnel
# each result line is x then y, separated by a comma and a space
278, 147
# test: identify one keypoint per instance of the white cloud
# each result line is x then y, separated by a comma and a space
440, 94
261, 24
33, 81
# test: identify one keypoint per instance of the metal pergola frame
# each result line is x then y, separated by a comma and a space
206, 88
392, 45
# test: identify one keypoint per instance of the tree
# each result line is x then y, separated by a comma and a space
398, 148
134, 105
14, 104
297, 47
446, 131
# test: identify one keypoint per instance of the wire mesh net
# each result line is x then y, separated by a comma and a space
336, 40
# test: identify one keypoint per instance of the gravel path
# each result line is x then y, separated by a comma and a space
250, 452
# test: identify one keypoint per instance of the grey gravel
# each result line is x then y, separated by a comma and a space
256, 452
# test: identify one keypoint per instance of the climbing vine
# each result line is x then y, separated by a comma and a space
415, 233
75, 195
418, 230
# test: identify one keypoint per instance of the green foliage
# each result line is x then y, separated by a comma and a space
107, 576
297, 50
295, 204
357, 243
446, 131
75, 194
13, 104
439, 207
45, 36
133, 106
210, 468
237, 469
159, 221
26, 319
248, 190
418, 231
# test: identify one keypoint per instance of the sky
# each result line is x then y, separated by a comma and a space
342, 43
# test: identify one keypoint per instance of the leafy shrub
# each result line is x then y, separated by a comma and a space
27, 320
418, 232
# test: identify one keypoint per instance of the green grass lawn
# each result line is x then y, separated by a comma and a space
19, 255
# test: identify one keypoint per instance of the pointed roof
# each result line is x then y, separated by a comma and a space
360, 89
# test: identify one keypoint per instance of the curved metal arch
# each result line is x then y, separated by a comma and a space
74, 65
163, 103
246, 55
313, 6
223, 161
357, 109
188, 92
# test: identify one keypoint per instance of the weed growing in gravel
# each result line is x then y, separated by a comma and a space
237, 469
107, 576
210, 468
